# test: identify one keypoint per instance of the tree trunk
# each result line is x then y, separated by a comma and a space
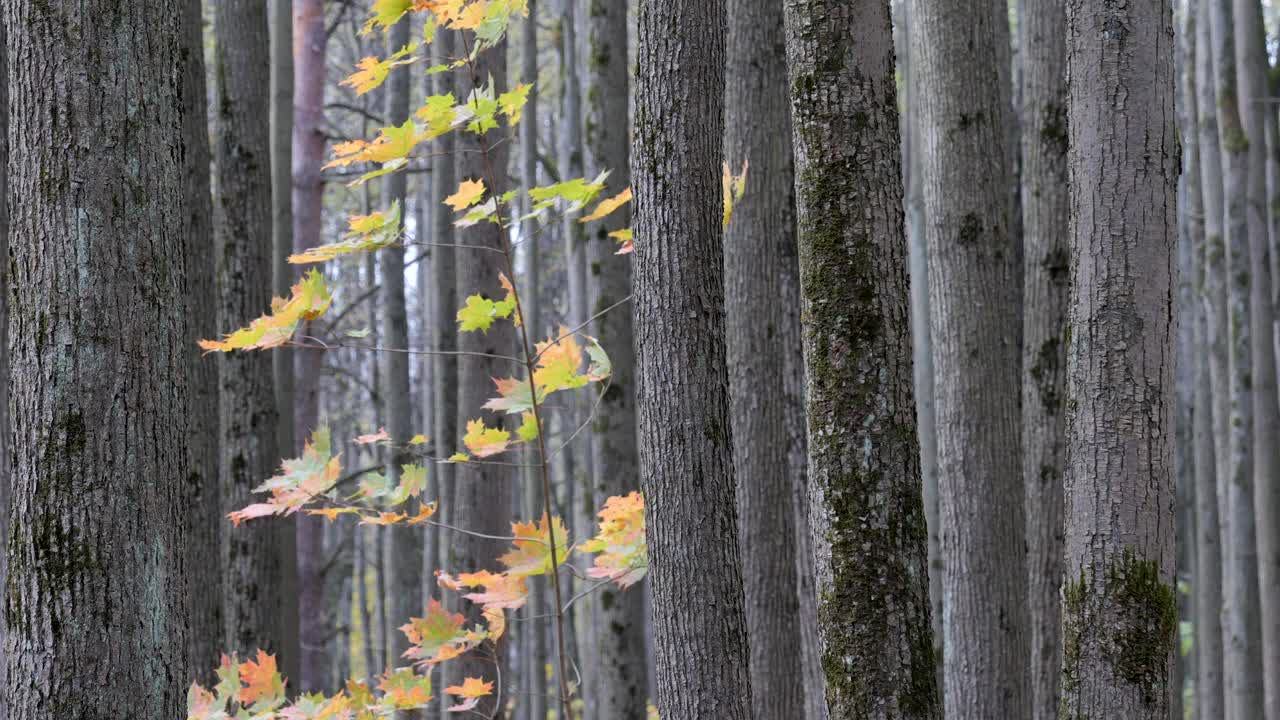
404, 543
6, 469
482, 492
96, 601
1251, 68
866, 514
685, 442
621, 685
1207, 582
758, 132
281, 121
962, 50
253, 614
921, 339
1044, 220
1119, 612
1241, 623
204, 569
308, 197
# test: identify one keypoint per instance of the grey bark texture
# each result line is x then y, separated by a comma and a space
280, 31
921, 337
685, 445
866, 514
621, 688
6, 467
1045, 204
1119, 601
1207, 582
483, 492
1242, 651
308, 144
96, 607
1251, 73
207, 523
404, 543
759, 240
961, 48
253, 601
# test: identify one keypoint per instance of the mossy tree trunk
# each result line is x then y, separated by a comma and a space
866, 515
1119, 613
96, 601
1044, 221
760, 239
253, 566
204, 568
1251, 73
685, 443
483, 492
1242, 651
961, 49
621, 686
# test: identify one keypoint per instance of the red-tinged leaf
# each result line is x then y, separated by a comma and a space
622, 553
437, 636
531, 554
381, 436
309, 300
383, 518
262, 681
483, 441
404, 689
626, 242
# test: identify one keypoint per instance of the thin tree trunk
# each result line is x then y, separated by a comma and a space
97, 613
1207, 583
621, 686
685, 441
866, 514
1046, 268
921, 336
758, 132
480, 489
1251, 68
1241, 623
6, 468
204, 568
404, 543
281, 120
1119, 613
962, 50
253, 604
307, 207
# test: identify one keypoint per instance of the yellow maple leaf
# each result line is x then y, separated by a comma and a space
309, 300
483, 441
608, 206
531, 554
471, 688
733, 188
469, 193
472, 16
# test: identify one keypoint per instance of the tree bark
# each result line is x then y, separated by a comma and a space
1119, 605
253, 614
1045, 204
962, 50
685, 441
308, 142
1207, 582
204, 568
1242, 654
1251, 68
6, 467
621, 685
482, 492
866, 514
756, 244
96, 607
404, 543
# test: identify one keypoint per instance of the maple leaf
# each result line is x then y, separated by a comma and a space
202, 705
575, 193
418, 439
391, 149
437, 636
441, 112
469, 193
300, 481
386, 13
528, 430
501, 590
263, 686
625, 242
496, 619
373, 72
531, 554
620, 542
413, 480
733, 189
310, 298
608, 206
511, 103
484, 211
381, 436
369, 233
404, 689
483, 441
425, 512
477, 314
514, 396
383, 519
558, 362
471, 688
333, 513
